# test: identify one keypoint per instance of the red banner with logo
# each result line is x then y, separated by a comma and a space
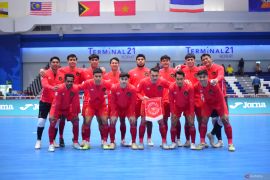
153, 109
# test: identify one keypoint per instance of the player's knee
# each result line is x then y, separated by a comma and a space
41, 122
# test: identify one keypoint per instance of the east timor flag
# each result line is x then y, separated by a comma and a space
125, 7
89, 8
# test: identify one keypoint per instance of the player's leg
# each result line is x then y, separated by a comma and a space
174, 120
112, 130
86, 132
133, 132
75, 131
163, 133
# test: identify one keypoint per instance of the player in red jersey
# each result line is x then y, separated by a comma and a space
152, 87
168, 73
66, 105
113, 75
97, 89
88, 74
213, 99
123, 102
181, 95
50, 81
216, 76
136, 75
78, 79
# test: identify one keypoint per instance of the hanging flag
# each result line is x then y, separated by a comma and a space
124, 7
41, 8
3, 9
191, 6
153, 109
89, 8
259, 5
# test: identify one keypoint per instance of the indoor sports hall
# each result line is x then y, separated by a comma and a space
235, 34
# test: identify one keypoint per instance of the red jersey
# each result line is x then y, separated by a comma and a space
88, 73
48, 81
181, 97
190, 73
77, 72
66, 100
217, 72
147, 88
137, 74
113, 77
95, 92
167, 74
123, 98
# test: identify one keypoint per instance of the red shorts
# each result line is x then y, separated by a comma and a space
167, 110
67, 114
208, 109
178, 111
96, 111
122, 113
85, 104
138, 108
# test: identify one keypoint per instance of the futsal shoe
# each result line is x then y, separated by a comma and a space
231, 148
150, 143
203, 145
124, 144
55, 144
173, 145
219, 144
112, 146
83, 143
134, 146
51, 148
105, 146
141, 146
38, 144
165, 146
187, 144
85, 146
194, 147
178, 142
211, 139
76, 146
61, 142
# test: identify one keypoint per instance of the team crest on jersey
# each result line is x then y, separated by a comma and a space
148, 88
146, 74
60, 78
160, 88
129, 94
91, 89
185, 93
174, 92
211, 91
72, 94
172, 75
104, 89
214, 73
78, 74
118, 93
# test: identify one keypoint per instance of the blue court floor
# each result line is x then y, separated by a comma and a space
19, 159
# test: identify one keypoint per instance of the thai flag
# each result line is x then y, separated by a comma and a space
191, 6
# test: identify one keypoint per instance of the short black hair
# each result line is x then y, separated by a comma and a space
190, 55
71, 56
179, 73
202, 72
154, 69
140, 55
114, 58
55, 57
205, 54
165, 57
93, 56
97, 70
124, 74
69, 75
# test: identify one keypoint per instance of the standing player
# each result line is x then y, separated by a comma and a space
136, 75
66, 105
168, 73
181, 95
213, 99
123, 102
88, 74
97, 89
50, 81
216, 76
78, 79
152, 87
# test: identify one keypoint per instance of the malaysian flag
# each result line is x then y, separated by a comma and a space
191, 6
41, 8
